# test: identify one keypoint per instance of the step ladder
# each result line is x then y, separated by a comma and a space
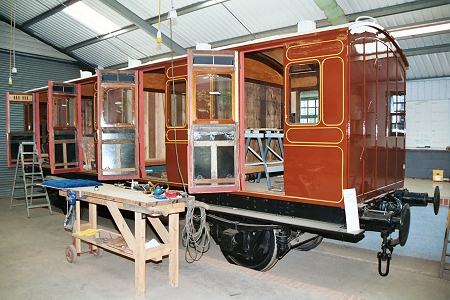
35, 195
445, 266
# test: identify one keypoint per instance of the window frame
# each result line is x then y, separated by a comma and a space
299, 91
56, 98
226, 71
168, 108
397, 113
105, 88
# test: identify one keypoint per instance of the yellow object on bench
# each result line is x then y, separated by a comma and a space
87, 232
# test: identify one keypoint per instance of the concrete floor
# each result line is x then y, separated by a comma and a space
33, 266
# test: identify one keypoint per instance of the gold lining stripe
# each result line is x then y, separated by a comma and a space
185, 104
342, 174
343, 90
174, 67
286, 118
172, 140
178, 142
196, 72
315, 43
316, 142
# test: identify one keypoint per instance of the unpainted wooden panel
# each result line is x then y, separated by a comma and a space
263, 109
87, 90
154, 81
88, 146
154, 135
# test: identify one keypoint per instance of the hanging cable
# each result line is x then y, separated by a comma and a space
10, 82
14, 69
195, 235
158, 33
174, 94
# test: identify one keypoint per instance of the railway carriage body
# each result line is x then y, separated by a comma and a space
268, 133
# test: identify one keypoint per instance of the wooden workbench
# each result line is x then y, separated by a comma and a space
125, 243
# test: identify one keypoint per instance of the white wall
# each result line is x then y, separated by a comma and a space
28, 44
428, 113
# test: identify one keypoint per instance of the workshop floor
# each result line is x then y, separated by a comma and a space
33, 266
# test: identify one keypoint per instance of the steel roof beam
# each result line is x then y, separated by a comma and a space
180, 11
399, 8
142, 24
48, 13
81, 62
427, 50
375, 13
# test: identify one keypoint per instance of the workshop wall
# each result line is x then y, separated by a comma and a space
33, 71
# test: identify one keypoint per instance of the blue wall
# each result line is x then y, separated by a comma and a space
421, 162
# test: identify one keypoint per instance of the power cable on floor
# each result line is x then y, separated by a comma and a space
195, 235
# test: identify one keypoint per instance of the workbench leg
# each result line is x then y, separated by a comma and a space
93, 219
139, 253
78, 225
174, 221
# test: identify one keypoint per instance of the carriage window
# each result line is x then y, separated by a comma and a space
176, 106
397, 114
304, 106
64, 112
118, 106
213, 97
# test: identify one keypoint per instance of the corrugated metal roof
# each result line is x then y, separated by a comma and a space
429, 65
207, 25
216, 23
127, 49
62, 30
432, 40
354, 6
149, 8
28, 44
262, 15
143, 42
104, 54
417, 16
108, 12
24, 10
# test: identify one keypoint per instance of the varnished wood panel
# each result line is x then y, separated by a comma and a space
258, 71
154, 81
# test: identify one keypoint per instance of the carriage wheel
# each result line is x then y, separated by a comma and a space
255, 250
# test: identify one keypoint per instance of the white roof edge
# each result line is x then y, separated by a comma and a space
67, 81
282, 36
37, 89
80, 79
154, 62
260, 40
255, 41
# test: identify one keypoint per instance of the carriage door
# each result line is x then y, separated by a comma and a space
64, 128
117, 133
213, 128
19, 129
